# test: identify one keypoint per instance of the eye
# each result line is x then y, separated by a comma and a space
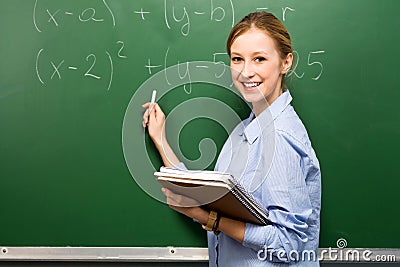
236, 59
260, 59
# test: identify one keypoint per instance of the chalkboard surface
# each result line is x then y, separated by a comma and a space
75, 164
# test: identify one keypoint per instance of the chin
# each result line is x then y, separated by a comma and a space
253, 96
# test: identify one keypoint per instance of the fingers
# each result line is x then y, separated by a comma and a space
145, 120
157, 108
146, 105
145, 114
146, 117
176, 200
167, 192
172, 199
153, 113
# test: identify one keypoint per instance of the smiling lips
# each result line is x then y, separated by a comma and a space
251, 85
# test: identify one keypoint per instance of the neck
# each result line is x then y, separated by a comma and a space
260, 106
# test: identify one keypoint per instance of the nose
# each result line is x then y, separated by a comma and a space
247, 71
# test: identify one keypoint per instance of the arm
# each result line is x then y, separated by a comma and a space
291, 192
233, 228
184, 205
155, 122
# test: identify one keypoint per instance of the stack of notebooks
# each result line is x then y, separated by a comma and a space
216, 191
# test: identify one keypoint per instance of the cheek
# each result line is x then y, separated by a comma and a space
270, 72
235, 72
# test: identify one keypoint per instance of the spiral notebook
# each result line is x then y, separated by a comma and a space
216, 191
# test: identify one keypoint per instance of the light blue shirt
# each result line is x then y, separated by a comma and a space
272, 156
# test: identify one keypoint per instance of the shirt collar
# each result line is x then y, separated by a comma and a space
252, 126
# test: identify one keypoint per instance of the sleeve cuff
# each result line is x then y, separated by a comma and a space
180, 166
255, 236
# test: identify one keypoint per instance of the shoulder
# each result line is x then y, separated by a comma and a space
290, 131
293, 156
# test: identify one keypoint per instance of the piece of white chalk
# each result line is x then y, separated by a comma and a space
153, 100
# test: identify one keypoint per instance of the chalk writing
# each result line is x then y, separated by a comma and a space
183, 68
120, 55
310, 62
186, 74
56, 69
222, 59
150, 67
181, 17
89, 71
216, 13
294, 66
37, 67
52, 16
220, 62
142, 13
87, 15
284, 10
92, 58
172, 13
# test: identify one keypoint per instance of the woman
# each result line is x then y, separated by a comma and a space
269, 152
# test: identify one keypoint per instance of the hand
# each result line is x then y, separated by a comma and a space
155, 122
181, 204
185, 205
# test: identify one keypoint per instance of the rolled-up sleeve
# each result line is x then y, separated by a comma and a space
180, 166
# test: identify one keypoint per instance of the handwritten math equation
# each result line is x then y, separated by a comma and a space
100, 13
88, 70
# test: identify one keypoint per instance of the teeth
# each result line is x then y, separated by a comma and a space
249, 85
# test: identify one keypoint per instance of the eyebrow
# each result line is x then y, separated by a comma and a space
254, 53
261, 52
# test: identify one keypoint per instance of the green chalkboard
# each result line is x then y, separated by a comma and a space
76, 168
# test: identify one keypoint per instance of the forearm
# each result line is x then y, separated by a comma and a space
155, 122
233, 228
168, 156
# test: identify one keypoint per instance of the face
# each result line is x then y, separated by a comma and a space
257, 68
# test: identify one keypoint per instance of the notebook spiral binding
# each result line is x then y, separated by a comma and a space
240, 188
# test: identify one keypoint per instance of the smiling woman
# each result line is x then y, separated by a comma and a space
257, 68
269, 152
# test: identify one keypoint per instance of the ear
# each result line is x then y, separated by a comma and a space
287, 63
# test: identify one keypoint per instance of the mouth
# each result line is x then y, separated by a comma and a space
251, 85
